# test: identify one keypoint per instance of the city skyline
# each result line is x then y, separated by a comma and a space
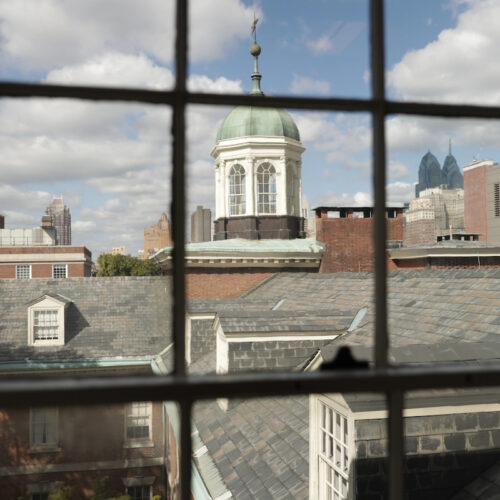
111, 162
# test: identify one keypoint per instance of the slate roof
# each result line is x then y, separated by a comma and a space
435, 316
107, 318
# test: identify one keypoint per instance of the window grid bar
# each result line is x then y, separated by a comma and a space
178, 229
101, 390
396, 444
167, 97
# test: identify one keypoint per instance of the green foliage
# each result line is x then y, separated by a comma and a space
125, 265
61, 492
100, 492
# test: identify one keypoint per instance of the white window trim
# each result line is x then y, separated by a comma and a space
315, 407
47, 304
143, 442
44, 447
23, 265
60, 266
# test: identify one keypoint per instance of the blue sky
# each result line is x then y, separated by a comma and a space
111, 162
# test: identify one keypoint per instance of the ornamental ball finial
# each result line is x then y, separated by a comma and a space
255, 49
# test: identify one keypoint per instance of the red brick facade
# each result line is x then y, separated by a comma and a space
229, 282
349, 240
36, 257
91, 444
476, 215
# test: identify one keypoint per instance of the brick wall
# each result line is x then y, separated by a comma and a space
419, 231
87, 437
78, 270
349, 242
228, 283
443, 453
476, 216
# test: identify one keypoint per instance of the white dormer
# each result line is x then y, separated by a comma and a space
46, 319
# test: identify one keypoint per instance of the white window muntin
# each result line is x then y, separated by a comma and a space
59, 270
46, 323
44, 429
138, 422
266, 188
237, 190
23, 271
332, 449
139, 492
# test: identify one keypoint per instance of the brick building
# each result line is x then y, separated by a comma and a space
79, 327
482, 199
347, 233
45, 262
157, 236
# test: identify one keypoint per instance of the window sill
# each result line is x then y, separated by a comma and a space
47, 448
139, 444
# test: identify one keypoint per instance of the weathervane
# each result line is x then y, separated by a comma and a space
254, 27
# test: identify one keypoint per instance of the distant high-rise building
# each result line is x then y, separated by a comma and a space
2, 221
157, 236
118, 250
430, 174
61, 220
201, 222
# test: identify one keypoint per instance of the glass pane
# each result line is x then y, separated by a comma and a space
255, 448
85, 451
441, 52
128, 44
302, 47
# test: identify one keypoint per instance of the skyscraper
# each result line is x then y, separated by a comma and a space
61, 220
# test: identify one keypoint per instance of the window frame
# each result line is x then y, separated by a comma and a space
52, 446
56, 269
18, 266
187, 389
237, 202
271, 173
46, 304
143, 441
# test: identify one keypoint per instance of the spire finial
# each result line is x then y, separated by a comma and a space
255, 50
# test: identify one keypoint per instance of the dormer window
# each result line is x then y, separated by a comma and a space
46, 320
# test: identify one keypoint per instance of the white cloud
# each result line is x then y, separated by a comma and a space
24, 199
458, 66
38, 36
337, 38
306, 85
397, 170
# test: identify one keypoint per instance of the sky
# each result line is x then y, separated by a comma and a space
111, 162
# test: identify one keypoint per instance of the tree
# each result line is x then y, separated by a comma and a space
125, 265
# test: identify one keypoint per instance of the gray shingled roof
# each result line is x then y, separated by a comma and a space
107, 318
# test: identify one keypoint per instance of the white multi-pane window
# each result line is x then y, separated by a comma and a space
138, 422
59, 271
44, 427
237, 199
45, 325
266, 189
333, 455
23, 271
139, 492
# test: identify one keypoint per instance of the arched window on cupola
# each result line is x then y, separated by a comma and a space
237, 201
266, 189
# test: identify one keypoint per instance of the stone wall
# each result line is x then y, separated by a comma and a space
202, 338
443, 454
271, 355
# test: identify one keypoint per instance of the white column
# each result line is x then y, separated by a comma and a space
299, 185
281, 185
250, 185
221, 191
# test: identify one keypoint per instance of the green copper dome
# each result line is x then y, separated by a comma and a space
246, 121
